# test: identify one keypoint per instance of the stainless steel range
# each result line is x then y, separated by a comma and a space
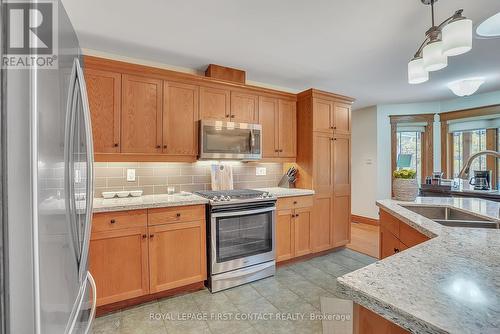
241, 237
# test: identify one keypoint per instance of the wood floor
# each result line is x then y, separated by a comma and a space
364, 239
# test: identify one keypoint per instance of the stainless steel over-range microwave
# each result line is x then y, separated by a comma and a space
221, 140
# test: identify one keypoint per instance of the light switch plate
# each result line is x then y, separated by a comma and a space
260, 171
131, 175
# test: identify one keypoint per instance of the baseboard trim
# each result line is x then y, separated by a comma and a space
364, 220
308, 256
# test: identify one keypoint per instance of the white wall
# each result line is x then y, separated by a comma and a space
371, 139
364, 162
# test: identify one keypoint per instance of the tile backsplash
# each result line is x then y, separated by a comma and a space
155, 177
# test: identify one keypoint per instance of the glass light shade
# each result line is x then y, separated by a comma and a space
490, 27
434, 59
416, 72
457, 37
465, 87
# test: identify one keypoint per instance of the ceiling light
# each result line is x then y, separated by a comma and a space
490, 27
450, 38
416, 72
465, 87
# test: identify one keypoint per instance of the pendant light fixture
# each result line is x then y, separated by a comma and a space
450, 38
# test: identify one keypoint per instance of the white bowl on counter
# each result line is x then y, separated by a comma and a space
123, 194
108, 194
136, 193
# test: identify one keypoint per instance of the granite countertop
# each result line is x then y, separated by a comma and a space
164, 200
449, 284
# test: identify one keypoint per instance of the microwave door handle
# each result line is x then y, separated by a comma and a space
252, 140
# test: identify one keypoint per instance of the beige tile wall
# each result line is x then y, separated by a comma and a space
155, 177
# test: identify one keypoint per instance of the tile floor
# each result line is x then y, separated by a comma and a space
296, 288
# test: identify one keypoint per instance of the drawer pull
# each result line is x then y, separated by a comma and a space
151, 236
396, 250
112, 221
297, 215
144, 236
178, 215
294, 202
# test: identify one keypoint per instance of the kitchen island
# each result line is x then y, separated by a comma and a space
448, 284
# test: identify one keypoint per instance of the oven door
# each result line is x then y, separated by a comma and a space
228, 140
242, 237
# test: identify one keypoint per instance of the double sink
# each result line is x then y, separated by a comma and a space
452, 217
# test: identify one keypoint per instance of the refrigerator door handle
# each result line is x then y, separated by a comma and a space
89, 196
94, 302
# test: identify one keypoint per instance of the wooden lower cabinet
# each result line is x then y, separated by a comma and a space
368, 322
119, 264
389, 244
177, 255
322, 222
341, 220
293, 228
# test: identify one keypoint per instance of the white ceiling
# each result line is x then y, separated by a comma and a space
358, 48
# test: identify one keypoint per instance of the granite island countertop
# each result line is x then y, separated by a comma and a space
449, 284
164, 200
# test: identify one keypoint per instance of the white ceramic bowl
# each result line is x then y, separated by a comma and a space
123, 194
108, 194
136, 193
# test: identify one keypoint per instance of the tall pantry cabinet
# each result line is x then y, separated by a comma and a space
324, 163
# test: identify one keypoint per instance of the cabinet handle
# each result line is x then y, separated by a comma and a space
331, 127
144, 236
151, 236
227, 116
294, 202
297, 215
396, 250
178, 215
158, 146
293, 216
112, 221
335, 128
232, 116
116, 145
281, 150
164, 146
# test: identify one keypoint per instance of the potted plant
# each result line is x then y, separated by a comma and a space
405, 186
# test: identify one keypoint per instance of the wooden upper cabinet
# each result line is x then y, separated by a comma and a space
180, 116
104, 95
177, 255
119, 264
215, 103
323, 116
342, 118
268, 117
342, 164
287, 129
244, 108
323, 162
141, 115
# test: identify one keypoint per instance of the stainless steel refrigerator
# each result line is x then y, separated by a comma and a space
47, 192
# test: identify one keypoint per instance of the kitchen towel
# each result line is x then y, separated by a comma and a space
222, 177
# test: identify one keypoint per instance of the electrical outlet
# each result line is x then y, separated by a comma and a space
131, 175
260, 171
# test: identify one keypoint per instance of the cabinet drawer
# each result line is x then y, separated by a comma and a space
176, 214
409, 236
288, 203
389, 222
109, 221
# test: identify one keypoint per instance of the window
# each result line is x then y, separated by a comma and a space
409, 151
466, 143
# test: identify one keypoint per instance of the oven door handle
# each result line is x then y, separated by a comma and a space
244, 272
242, 213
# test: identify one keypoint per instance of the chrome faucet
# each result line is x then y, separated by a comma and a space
464, 173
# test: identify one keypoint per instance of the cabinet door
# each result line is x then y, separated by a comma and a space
342, 118
323, 162
104, 95
215, 103
180, 114
141, 115
268, 117
302, 226
323, 115
322, 226
177, 255
368, 322
342, 190
284, 235
287, 129
389, 244
119, 264
244, 108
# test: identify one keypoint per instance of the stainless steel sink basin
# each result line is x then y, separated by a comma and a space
452, 217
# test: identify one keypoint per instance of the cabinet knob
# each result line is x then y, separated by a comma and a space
293, 216
151, 236
335, 128
331, 127
281, 150
112, 221
158, 146
116, 145
297, 215
294, 202
144, 236
396, 250
227, 116
164, 146
178, 215
232, 116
